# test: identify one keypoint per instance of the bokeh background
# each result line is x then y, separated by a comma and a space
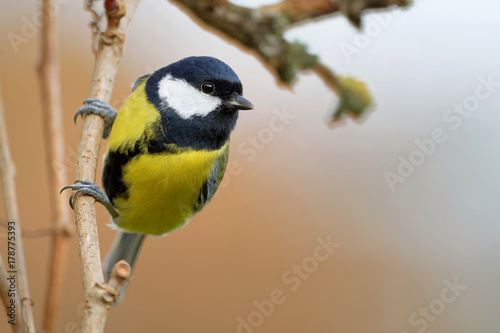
305, 181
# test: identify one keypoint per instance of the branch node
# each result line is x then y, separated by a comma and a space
110, 37
107, 294
119, 275
26, 302
115, 10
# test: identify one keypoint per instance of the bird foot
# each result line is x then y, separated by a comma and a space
98, 107
86, 187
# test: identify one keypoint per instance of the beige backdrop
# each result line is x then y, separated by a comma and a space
398, 251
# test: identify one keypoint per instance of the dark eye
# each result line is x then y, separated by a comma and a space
208, 88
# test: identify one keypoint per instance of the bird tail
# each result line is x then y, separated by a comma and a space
126, 246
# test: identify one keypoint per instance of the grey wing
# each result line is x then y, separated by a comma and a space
212, 184
139, 81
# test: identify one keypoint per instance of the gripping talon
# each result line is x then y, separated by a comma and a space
86, 187
98, 107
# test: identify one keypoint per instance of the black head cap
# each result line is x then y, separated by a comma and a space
210, 130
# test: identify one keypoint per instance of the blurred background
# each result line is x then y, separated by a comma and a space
400, 246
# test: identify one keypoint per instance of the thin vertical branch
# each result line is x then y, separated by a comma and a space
24, 312
4, 283
52, 115
98, 295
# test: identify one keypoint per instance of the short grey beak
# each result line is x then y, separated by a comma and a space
240, 102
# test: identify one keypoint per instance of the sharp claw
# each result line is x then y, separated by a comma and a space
97, 107
65, 188
86, 187
77, 188
83, 181
71, 196
71, 202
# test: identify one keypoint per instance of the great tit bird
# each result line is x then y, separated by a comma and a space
167, 151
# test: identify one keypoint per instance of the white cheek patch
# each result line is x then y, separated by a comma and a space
186, 100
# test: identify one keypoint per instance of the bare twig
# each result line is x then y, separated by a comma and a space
95, 23
98, 295
119, 275
4, 283
24, 312
48, 71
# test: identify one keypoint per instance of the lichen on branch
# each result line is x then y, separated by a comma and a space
262, 31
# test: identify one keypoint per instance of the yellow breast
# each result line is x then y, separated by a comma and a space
163, 190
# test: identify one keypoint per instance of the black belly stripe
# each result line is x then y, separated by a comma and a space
112, 174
